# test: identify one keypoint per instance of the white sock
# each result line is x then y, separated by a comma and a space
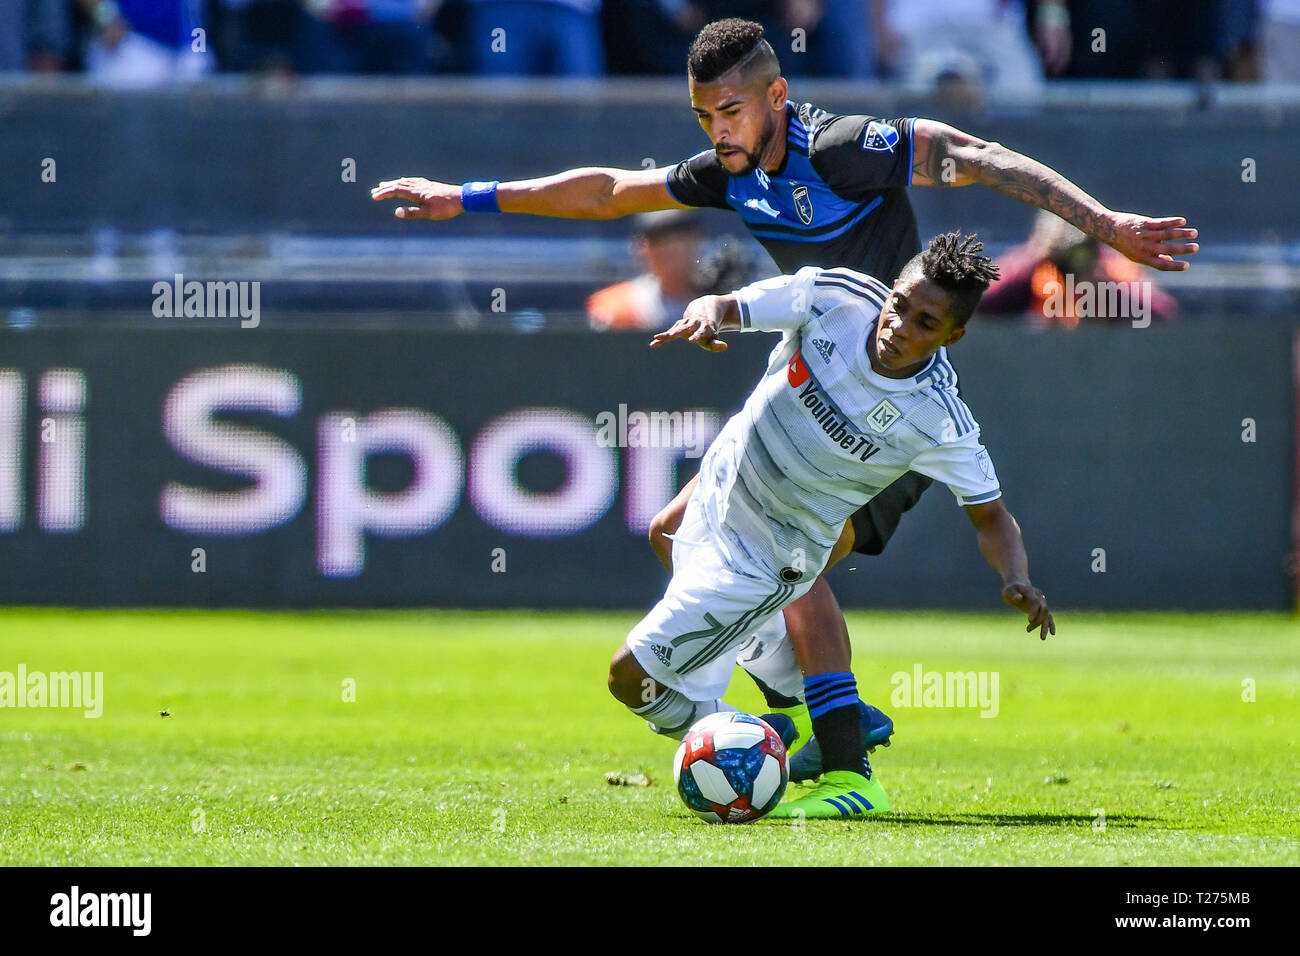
672, 715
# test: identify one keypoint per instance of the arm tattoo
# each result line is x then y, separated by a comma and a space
928, 154
1011, 174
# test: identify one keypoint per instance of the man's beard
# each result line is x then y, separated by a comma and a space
751, 159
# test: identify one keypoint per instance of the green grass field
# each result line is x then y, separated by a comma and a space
485, 738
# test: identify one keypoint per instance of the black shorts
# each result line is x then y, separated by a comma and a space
874, 523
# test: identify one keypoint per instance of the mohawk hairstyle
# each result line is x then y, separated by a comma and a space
723, 45
953, 262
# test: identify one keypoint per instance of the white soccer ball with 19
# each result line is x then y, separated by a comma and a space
731, 768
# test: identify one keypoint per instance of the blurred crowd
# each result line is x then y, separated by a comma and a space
1002, 46
1057, 277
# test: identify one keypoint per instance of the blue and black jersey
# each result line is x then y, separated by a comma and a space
839, 198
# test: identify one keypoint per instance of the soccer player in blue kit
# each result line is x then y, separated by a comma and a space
814, 188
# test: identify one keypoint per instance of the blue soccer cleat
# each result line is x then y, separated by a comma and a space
877, 728
784, 727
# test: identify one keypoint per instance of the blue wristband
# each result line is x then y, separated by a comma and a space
480, 197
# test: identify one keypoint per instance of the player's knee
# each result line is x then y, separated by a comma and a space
625, 678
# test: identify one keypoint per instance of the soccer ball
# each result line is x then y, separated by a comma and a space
731, 768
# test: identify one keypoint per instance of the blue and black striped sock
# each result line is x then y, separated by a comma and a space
833, 705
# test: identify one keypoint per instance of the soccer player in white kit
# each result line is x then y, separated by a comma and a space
858, 392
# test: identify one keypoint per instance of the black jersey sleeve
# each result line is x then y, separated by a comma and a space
857, 156
699, 181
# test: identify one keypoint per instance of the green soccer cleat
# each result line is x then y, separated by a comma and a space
802, 723
841, 794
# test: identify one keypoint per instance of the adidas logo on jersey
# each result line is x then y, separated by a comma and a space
824, 348
665, 654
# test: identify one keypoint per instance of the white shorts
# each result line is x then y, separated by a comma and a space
689, 640
769, 656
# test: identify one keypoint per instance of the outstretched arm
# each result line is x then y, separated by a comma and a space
778, 304
703, 319
1004, 549
945, 156
587, 193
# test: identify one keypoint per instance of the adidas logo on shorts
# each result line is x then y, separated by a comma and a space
824, 348
665, 654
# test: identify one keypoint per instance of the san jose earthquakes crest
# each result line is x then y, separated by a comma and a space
803, 205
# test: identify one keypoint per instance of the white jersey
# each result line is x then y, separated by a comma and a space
823, 432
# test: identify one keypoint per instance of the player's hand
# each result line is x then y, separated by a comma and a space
1027, 598
699, 324
1152, 242
431, 200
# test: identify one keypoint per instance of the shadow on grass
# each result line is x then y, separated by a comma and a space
1122, 821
